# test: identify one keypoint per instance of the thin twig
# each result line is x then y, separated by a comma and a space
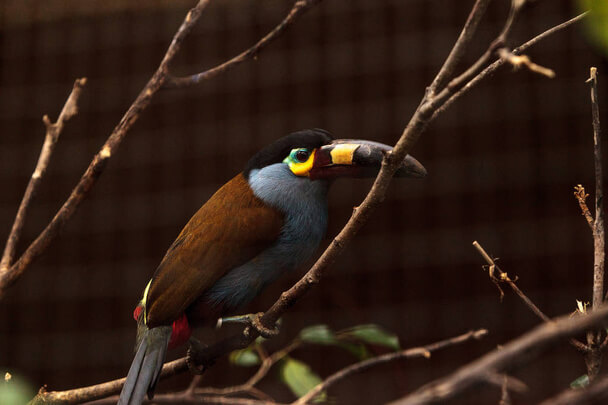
299, 7
488, 71
423, 351
505, 398
457, 52
196, 380
504, 278
249, 385
461, 80
70, 109
97, 165
581, 197
515, 352
504, 380
98, 391
517, 61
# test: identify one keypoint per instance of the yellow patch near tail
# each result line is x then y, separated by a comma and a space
144, 299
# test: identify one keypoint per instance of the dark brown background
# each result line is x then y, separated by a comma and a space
502, 165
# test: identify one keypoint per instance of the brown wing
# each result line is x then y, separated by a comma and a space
230, 229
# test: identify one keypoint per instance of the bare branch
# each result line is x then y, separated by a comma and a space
505, 398
99, 391
504, 278
488, 71
424, 351
505, 382
299, 7
518, 351
457, 52
598, 224
517, 61
196, 380
461, 80
248, 386
170, 369
594, 357
97, 165
70, 108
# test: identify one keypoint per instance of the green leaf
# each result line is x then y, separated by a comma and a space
245, 357
298, 376
372, 334
318, 334
596, 23
357, 349
259, 340
581, 382
15, 390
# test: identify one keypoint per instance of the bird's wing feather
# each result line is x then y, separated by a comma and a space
230, 229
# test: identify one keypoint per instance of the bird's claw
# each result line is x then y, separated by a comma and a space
256, 324
253, 322
194, 352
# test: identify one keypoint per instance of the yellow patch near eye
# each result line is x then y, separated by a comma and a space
342, 154
302, 169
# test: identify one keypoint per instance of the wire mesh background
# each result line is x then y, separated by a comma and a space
502, 164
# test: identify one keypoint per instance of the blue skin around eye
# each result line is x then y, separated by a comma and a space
304, 156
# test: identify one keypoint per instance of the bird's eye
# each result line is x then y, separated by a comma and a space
302, 155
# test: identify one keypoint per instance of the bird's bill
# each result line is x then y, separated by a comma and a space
358, 158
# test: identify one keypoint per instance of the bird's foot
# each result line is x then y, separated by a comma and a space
194, 352
261, 329
252, 321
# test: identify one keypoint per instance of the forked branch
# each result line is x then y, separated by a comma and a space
498, 276
53, 130
9, 272
516, 352
299, 7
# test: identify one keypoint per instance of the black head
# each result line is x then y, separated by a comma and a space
279, 149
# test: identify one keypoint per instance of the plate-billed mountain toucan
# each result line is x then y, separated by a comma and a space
264, 222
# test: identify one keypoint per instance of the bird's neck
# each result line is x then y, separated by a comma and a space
278, 187
304, 204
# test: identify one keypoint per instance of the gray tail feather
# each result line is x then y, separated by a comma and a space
146, 366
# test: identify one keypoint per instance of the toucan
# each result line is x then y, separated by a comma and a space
266, 221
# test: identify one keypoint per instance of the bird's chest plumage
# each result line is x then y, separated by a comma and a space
304, 206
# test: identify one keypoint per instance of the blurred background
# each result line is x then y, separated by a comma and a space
502, 165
